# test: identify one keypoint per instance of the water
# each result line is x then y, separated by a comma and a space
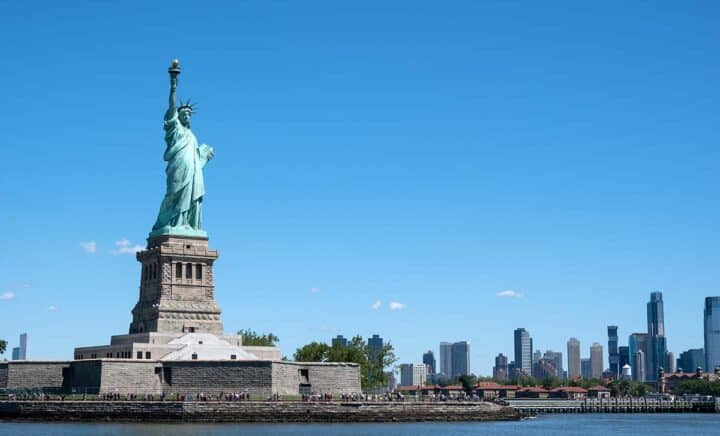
550, 425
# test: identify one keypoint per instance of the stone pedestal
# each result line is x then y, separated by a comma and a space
177, 293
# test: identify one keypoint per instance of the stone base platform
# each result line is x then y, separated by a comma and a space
183, 377
253, 411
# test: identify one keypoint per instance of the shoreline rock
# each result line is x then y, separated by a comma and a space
252, 411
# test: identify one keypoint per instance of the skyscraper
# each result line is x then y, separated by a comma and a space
690, 360
429, 361
556, 358
523, 351
624, 356
657, 358
670, 362
639, 368
412, 374
460, 359
657, 350
712, 333
573, 350
613, 352
20, 352
638, 342
596, 361
655, 315
339, 341
585, 368
375, 344
446, 359
500, 370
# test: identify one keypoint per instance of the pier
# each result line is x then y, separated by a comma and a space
612, 405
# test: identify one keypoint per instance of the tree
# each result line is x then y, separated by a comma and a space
312, 352
250, 337
468, 382
372, 367
3, 346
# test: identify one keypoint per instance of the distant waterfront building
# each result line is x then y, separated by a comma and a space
640, 366
446, 359
624, 356
613, 352
375, 344
596, 361
523, 351
573, 350
655, 315
544, 368
585, 368
657, 358
691, 360
412, 374
339, 341
20, 352
429, 361
656, 354
460, 352
712, 333
500, 370
638, 342
24, 346
670, 362
556, 357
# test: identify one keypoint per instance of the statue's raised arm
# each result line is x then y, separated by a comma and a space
174, 72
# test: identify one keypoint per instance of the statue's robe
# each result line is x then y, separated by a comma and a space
181, 206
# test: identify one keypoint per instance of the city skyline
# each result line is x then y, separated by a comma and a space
376, 171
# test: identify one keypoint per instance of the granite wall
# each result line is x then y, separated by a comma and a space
212, 377
30, 374
131, 377
336, 378
3, 375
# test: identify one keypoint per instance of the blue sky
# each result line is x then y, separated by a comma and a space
410, 152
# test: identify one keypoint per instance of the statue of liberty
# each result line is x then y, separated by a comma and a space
181, 209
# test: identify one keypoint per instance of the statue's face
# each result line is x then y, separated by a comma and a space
184, 117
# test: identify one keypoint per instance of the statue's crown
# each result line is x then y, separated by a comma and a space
187, 106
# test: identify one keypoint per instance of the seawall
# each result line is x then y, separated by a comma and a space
252, 411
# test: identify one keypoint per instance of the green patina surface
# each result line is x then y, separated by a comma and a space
181, 209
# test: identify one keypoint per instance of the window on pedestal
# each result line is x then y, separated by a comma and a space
144, 272
198, 271
194, 356
178, 270
147, 354
139, 354
188, 271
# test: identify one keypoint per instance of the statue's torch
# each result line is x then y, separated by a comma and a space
174, 69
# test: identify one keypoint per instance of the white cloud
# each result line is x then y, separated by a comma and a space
52, 308
315, 290
7, 296
376, 305
89, 247
509, 293
394, 305
124, 246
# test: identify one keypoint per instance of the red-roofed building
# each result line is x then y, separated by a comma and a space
532, 392
599, 392
492, 390
569, 393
